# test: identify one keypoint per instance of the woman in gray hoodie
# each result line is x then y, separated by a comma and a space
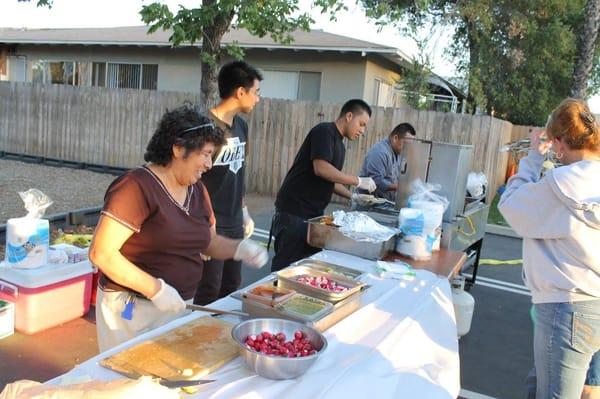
558, 217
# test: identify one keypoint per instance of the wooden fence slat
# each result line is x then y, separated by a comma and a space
112, 127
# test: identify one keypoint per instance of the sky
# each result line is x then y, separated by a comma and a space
110, 13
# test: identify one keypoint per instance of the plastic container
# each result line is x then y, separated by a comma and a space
47, 296
7, 319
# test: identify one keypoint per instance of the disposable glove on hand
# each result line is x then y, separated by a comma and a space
248, 223
366, 183
167, 299
251, 253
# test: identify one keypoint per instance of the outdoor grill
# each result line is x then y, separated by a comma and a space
448, 165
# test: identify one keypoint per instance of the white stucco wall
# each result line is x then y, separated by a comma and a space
178, 70
377, 68
343, 75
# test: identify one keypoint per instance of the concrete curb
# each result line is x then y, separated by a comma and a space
501, 231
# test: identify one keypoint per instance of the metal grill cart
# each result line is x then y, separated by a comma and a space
448, 165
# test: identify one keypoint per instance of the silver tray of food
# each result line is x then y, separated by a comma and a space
330, 268
322, 233
333, 315
318, 284
270, 279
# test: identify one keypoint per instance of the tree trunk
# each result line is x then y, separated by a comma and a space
473, 61
586, 45
211, 45
209, 95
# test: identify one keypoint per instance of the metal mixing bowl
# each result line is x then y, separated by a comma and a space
275, 367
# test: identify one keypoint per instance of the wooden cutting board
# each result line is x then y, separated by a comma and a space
202, 345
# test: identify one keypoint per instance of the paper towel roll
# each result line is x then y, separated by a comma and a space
27, 242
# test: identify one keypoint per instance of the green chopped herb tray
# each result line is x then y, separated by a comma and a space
305, 307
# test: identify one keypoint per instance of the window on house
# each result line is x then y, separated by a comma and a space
99, 74
309, 86
383, 93
291, 85
130, 76
72, 73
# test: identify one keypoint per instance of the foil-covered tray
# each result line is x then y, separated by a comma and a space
322, 234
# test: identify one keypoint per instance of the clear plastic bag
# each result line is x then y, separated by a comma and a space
422, 191
36, 202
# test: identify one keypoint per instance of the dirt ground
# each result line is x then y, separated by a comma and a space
69, 188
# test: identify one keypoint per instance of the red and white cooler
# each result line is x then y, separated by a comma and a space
47, 296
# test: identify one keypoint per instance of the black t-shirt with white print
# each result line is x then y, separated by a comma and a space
303, 193
225, 181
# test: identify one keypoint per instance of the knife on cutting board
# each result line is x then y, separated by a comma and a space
163, 381
218, 311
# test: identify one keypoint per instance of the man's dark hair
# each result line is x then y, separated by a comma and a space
355, 106
403, 129
177, 127
234, 75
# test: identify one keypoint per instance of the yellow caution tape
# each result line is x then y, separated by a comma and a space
500, 262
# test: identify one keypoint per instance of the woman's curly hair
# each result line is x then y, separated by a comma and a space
172, 131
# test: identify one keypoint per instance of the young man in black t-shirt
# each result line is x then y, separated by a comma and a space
239, 91
314, 176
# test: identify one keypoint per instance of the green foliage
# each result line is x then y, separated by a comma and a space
40, 3
415, 80
517, 55
213, 18
277, 18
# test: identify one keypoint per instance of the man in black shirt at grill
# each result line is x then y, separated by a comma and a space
314, 176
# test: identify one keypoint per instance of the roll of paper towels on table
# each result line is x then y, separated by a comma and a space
27, 241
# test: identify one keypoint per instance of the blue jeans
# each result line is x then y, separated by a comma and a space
566, 348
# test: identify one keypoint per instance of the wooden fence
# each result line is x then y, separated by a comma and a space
112, 126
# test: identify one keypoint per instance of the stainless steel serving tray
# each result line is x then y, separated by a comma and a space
340, 310
330, 268
270, 279
329, 237
287, 278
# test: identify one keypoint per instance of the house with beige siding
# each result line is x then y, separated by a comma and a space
316, 66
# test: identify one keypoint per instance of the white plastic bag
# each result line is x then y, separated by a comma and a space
432, 204
476, 184
420, 223
395, 270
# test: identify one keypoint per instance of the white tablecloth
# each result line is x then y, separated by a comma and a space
402, 344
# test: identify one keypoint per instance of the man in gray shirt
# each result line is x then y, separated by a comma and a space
383, 160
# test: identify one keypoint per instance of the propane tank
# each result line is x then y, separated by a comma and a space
463, 305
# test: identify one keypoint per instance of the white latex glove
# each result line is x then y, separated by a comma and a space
366, 183
167, 299
251, 253
248, 223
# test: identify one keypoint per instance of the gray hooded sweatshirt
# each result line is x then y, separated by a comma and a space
558, 217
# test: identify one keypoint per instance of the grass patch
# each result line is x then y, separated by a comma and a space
494, 216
